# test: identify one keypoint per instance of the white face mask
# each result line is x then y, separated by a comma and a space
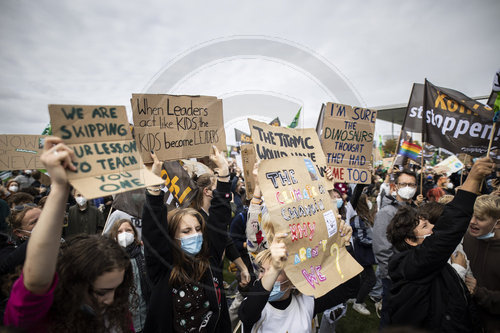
125, 239
407, 192
370, 205
424, 236
13, 188
81, 201
449, 185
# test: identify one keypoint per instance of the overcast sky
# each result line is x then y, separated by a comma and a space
264, 58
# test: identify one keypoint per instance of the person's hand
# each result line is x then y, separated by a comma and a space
471, 283
345, 232
245, 278
57, 158
458, 258
220, 161
157, 164
255, 172
420, 199
278, 252
483, 167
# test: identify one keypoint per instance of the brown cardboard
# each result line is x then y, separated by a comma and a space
248, 159
20, 152
177, 127
107, 158
347, 140
271, 142
317, 262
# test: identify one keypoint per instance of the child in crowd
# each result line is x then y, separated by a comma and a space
184, 259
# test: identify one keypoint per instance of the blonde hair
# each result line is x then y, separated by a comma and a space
447, 198
487, 205
263, 257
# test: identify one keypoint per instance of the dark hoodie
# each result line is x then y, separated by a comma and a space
484, 257
427, 292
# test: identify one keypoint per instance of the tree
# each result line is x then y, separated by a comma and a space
389, 147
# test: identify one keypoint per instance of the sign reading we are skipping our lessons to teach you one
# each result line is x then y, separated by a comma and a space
299, 205
272, 142
177, 127
107, 158
347, 140
20, 152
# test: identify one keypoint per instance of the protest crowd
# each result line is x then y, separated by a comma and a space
228, 243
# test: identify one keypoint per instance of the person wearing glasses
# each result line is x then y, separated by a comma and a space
405, 188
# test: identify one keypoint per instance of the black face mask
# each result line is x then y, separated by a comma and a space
242, 191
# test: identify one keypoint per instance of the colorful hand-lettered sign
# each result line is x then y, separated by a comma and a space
107, 158
299, 205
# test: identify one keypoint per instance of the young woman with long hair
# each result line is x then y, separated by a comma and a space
184, 259
124, 232
82, 288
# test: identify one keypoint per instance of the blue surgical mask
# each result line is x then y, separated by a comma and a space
192, 244
276, 293
489, 235
340, 202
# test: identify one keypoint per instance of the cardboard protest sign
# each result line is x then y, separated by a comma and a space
272, 142
450, 165
177, 127
179, 183
299, 205
107, 158
20, 152
248, 158
347, 140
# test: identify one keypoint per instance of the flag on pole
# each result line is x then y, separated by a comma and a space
380, 148
410, 150
275, 122
295, 120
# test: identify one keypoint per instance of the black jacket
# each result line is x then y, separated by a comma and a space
426, 291
159, 262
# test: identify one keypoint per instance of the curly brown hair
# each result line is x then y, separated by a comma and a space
82, 259
402, 227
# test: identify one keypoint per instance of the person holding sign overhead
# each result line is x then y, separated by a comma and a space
83, 288
184, 259
274, 305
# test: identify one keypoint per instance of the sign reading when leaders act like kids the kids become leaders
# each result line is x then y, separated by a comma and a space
177, 127
107, 159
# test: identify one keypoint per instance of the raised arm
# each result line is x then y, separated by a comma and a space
435, 251
43, 247
252, 306
219, 216
154, 228
256, 240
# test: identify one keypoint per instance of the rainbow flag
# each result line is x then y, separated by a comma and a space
410, 150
